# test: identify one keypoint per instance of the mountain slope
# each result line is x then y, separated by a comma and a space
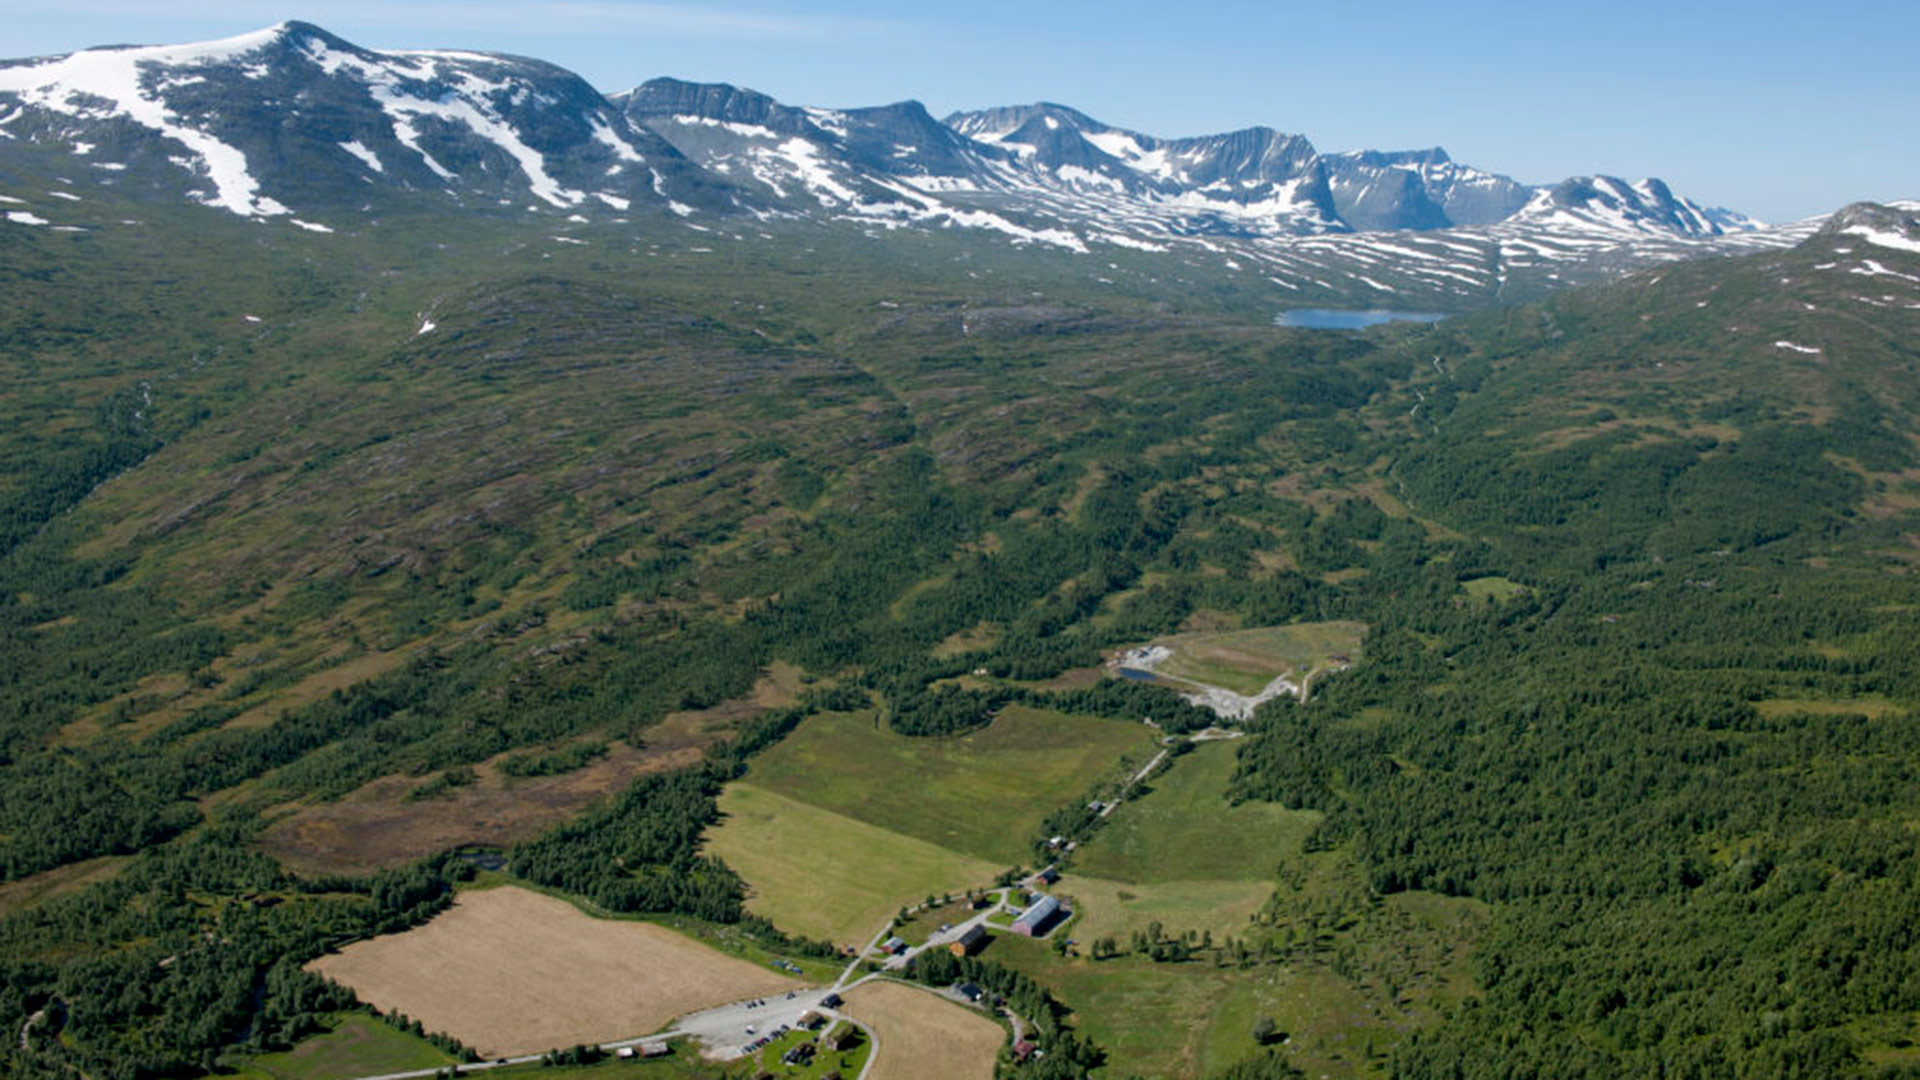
292, 119
1419, 189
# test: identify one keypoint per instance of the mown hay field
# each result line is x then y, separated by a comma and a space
509, 971
983, 794
814, 872
920, 1036
1245, 661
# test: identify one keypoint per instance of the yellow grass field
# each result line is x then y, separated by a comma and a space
825, 875
508, 971
919, 1036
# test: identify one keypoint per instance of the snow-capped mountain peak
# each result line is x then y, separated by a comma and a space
1609, 205
294, 120
293, 116
130, 83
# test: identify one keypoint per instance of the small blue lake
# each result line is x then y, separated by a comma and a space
1336, 319
1136, 674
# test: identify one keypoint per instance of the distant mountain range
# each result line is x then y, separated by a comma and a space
295, 123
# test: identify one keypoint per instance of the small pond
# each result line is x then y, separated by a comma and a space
1336, 319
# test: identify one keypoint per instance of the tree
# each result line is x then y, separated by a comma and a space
1265, 1032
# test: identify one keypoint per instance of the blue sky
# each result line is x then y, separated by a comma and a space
1782, 110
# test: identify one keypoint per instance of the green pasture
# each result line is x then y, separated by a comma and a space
358, 1045
1184, 829
983, 794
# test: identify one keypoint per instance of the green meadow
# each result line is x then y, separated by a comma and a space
1184, 829
358, 1045
983, 794
825, 875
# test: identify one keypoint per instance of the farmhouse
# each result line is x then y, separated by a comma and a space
1034, 921
970, 992
970, 942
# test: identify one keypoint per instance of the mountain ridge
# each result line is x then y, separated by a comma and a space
296, 123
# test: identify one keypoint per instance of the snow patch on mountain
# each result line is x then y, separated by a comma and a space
1885, 238
127, 82
391, 78
812, 170
372, 160
1874, 268
621, 148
